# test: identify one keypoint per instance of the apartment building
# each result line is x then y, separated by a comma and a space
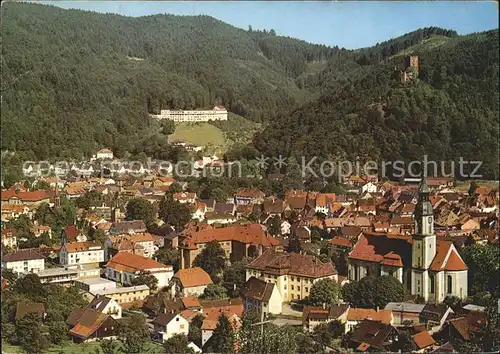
24, 261
237, 242
124, 267
292, 273
81, 253
217, 113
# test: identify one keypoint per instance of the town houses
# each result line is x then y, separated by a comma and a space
282, 247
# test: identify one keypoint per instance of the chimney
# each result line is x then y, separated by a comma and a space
324, 305
165, 310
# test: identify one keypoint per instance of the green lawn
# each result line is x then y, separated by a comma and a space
201, 134
218, 135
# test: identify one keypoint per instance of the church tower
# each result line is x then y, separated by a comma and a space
424, 242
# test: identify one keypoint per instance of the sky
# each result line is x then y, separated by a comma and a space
347, 24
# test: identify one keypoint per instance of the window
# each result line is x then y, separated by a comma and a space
292, 287
177, 319
431, 282
307, 289
293, 279
449, 284
298, 288
182, 326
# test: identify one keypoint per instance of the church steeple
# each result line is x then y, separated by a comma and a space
424, 214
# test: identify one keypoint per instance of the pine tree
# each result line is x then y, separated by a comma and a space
222, 341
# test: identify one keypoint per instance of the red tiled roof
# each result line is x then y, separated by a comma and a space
129, 262
340, 241
423, 339
190, 277
25, 196
442, 248
392, 259
293, 264
81, 246
71, 232
191, 301
454, 262
378, 247
360, 314
249, 234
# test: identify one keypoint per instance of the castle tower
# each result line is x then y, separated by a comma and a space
411, 61
424, 242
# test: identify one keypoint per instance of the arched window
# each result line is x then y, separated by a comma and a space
449, 283
431, 282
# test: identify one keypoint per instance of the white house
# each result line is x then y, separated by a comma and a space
9, 239
24, 261
104, 154
368, 188
285, 228
107, 306
81, 253
124, 267
261, 297
199, 211
168, 324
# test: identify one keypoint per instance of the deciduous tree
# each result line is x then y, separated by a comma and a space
325, 291
140, 209
212, 260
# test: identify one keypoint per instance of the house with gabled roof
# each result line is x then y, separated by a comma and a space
24, 261
124, 267
373, 336
88, 324
237, 241
294, 274
78, 253
190, 282
261, 297
169, 324
106, 305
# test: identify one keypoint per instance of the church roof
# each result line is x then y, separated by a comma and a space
447, 258
455, 263
380, 248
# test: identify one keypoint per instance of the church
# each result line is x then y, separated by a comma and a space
427, 266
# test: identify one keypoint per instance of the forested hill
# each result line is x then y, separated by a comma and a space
450, 111
75, 81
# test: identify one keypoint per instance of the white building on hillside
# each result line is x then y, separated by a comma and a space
217, 113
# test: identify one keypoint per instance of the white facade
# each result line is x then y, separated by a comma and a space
178, 325
93, 254
368, 188
26, 266
104, 154
162, 274
192, 116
